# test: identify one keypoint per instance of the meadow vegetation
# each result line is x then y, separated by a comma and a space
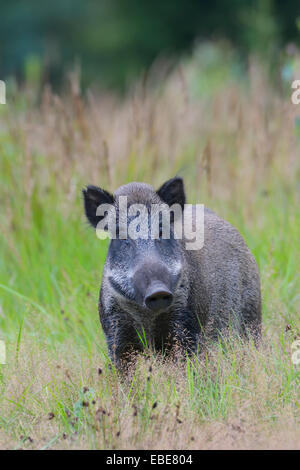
235, 140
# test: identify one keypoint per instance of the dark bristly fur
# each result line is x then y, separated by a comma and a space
214, 290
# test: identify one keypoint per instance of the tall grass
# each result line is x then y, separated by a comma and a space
237, 148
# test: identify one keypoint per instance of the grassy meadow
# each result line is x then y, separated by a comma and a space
236, 141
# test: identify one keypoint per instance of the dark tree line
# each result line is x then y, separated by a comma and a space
114, 40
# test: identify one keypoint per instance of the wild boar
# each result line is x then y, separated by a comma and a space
159, 292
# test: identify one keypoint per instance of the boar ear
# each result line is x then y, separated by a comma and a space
172, 192
92, 198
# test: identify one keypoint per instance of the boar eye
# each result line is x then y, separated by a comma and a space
126, 242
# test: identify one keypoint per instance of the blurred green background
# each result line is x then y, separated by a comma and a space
114, 41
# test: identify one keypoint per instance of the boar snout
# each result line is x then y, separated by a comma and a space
153, 285
158, 297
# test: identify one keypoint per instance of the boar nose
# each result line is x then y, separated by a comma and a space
158, 297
